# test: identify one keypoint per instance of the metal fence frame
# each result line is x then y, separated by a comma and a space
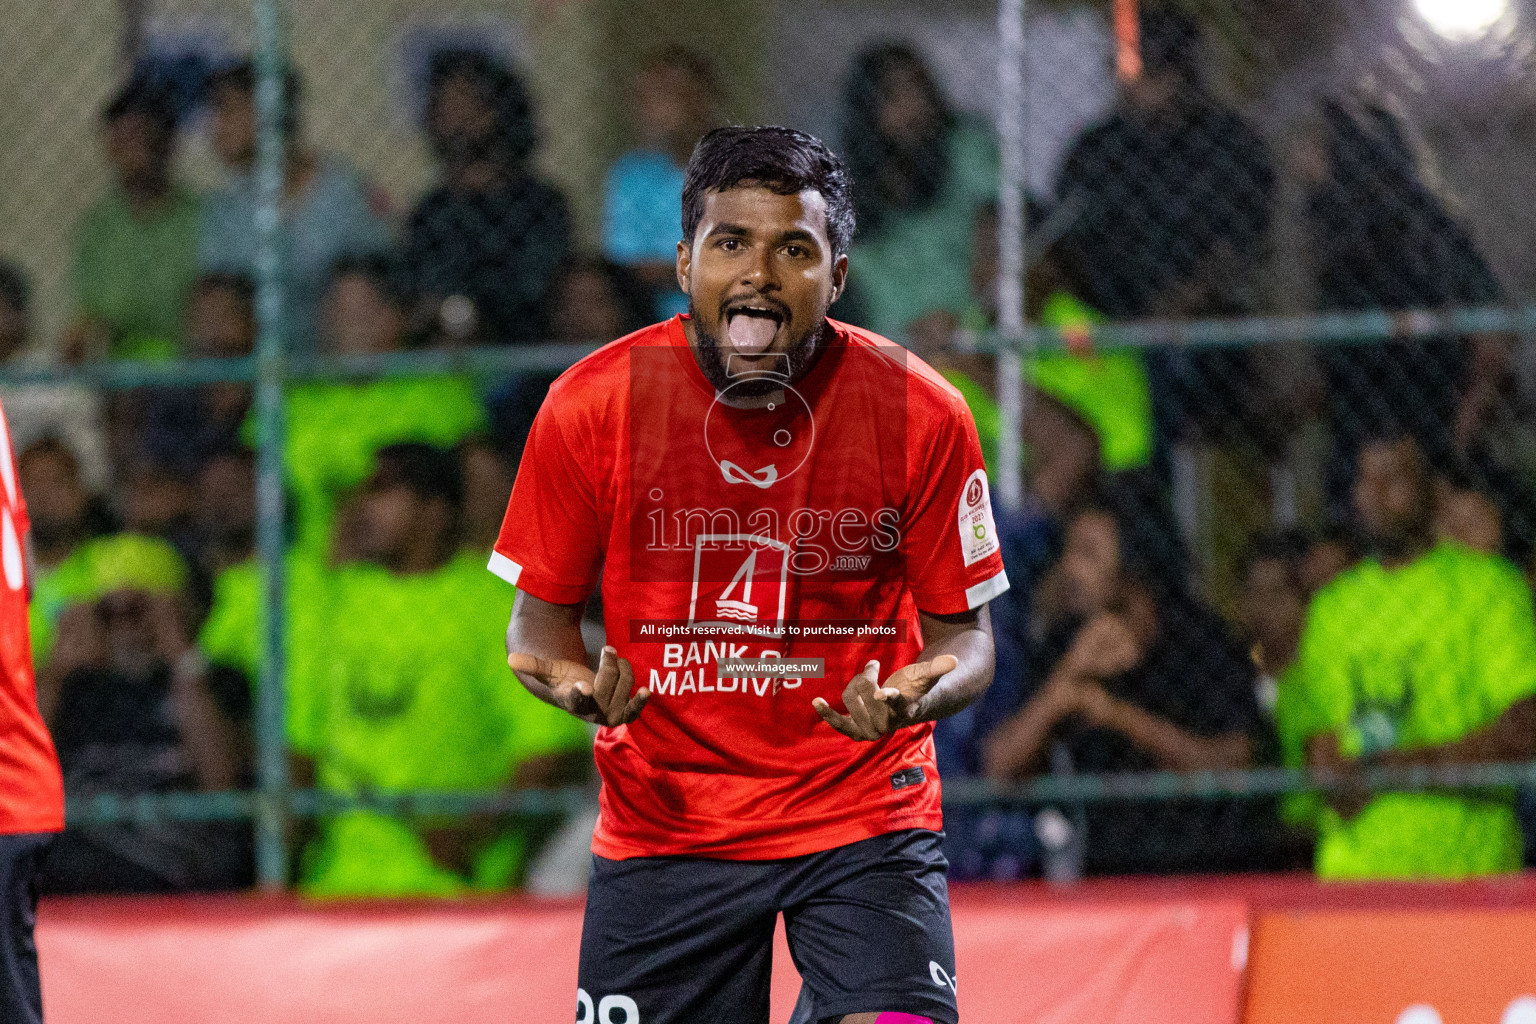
274, 803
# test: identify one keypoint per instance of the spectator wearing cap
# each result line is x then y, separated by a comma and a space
70, 412
134, 709
135, 251
1139, 677
328, 211
1423, 653
919, 172
482, 247
412, 693
675, 100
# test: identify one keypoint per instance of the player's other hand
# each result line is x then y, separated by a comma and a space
604, 697
875, 710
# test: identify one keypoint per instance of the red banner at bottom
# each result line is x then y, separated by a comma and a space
251, 961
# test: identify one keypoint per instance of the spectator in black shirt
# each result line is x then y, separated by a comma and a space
139, 711
1173, 195
1173, 190
481, 248
1142, 677
1384, 241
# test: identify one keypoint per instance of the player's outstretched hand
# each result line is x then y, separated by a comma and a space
603, 697
875, 710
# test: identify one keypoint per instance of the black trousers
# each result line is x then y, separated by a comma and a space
21, 859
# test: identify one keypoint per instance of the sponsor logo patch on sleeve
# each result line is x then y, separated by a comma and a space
978, 533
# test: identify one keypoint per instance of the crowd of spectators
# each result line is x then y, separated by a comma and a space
1398, 631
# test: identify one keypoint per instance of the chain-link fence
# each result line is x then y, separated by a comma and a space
1244, 286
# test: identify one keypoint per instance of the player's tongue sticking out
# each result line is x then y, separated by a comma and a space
752, 333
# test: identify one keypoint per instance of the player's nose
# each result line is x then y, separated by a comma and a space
760, 272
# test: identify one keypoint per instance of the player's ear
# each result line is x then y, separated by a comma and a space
839, 276
684, 265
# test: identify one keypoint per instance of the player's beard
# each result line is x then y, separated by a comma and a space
713, 353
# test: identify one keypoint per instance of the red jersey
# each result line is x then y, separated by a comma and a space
813, 528
31, 789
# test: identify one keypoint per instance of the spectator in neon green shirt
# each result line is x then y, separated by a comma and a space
1423, 654
414, 693
136, 248
335, 428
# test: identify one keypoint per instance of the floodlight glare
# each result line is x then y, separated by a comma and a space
1462, 19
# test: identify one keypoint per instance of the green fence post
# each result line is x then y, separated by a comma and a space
271, 746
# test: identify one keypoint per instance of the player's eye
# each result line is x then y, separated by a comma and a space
794, 252
729, 244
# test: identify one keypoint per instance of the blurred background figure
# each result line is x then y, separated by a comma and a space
412, 693
135, 709
328, 209
920, 171
136, 248
1423, 653
1139, 676
67, 517
675, 100
34, 411
1383, 241
179, 429
1171, 199
481, 248
335, 428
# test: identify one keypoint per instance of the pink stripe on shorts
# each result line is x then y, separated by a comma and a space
902, 1018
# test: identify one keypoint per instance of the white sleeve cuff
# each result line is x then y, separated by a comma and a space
510, 571
982, 592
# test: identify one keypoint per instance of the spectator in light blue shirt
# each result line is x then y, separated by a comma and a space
675, 101
328, 211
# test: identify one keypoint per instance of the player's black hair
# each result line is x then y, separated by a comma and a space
15, 289
890, 175
782, 160
241, 76
516, 132
431, 473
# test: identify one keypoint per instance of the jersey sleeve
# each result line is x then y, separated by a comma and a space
13, 496
549, 543
954, 559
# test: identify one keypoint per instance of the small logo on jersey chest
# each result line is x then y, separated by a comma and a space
914, 776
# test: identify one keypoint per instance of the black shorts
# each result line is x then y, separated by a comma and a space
21, 858
675, 940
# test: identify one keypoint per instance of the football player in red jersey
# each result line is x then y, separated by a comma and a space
31, 788
790, 522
